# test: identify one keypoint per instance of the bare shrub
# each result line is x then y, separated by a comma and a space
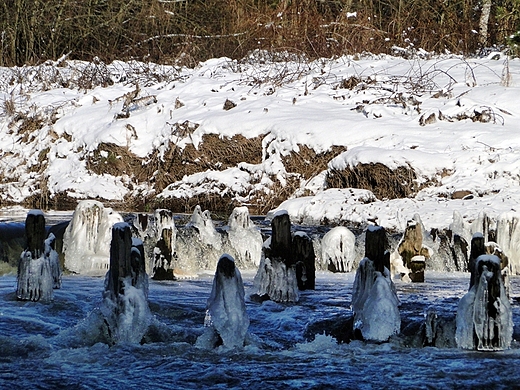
186, 32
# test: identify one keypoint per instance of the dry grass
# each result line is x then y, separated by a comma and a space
307, 163
378, 178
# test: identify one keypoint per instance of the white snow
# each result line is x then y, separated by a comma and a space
452, 119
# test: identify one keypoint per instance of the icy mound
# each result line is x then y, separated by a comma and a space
86, 241
338, 249
244, 238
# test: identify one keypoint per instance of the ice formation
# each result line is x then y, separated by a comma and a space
504, 230
375, 303
39, 270
226, 319
125, 305
484, 316
244, 238
374, 298
275, 281
276, 278
86, 241
338, 249
164, 249
201, 221
198, 245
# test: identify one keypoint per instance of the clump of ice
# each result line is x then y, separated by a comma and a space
127, 316
276, 281
201, 221
338, 249
245, 238
226, 319
35, 281
37, 277
375, 303
480, 326
86, 241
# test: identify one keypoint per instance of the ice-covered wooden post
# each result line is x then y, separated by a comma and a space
478, 248
38, 268
281, 239
162, 268
410, 250
226, 321
125, 307
276, 276
305, 261
484, 316
376, 245
374, 300
35, 233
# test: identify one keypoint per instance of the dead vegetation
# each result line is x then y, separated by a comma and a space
186, 32
384, 182
307, 163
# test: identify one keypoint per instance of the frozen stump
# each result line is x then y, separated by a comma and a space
374, 298
484, 316
226, 319
287, 264
38, 268
125, 305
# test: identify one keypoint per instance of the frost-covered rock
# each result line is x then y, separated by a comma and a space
86, 241
226, 319
484, 316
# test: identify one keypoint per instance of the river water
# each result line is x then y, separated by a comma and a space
38, 350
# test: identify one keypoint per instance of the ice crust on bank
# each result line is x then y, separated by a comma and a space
86, 241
